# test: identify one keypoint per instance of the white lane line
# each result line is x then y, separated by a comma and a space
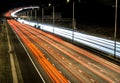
80, 71
30, 57
13, 69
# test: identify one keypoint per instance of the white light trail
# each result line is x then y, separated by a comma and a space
98, 43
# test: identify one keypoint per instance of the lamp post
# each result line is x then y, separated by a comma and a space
53, 17
115, 31
31, 14
42, 15
73, 19
35, 14
53, 14
73, 22
27, 13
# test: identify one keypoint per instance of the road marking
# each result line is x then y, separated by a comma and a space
13, 69
53, 64
30, 58
70, 63
92, 80
60, 71
69, 81
80, 71
102, 70
48, 59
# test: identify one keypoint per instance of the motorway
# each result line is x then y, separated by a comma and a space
98, 43
60, 61
109, 47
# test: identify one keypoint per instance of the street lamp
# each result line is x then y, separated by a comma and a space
42, 15
53, 14
34, 10
73, 19
28, 17
31, 14
35, 14
115, 31
53, 17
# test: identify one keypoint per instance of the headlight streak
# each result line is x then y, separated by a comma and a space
98, 43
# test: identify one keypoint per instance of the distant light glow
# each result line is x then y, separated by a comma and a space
49, 4
68, 0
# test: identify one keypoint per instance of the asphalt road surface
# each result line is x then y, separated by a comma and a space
60, 61
29, 74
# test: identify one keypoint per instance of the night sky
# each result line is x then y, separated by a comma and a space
84, 9
8, 4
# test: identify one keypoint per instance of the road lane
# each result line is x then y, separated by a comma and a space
48, 67
28, 71
104, 64
94, 64
70, 68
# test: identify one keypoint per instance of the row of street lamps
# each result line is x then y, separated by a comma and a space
74, 22
53, 14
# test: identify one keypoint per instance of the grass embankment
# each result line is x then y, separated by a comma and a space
5, 69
